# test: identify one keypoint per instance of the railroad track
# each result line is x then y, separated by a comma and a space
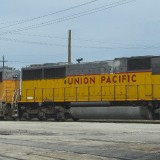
99, 121
121, 121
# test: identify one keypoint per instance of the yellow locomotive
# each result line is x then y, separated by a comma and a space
48, 91
9, 89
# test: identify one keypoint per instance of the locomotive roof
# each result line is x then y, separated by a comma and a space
64, 64
136, 57
6, 68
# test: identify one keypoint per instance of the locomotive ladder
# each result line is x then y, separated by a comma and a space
1, 102
15, 97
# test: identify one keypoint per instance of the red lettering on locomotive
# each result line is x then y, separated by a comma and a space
103, 78
134, 78
108, 80
114, 79
123, 78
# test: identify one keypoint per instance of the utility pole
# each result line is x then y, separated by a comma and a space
3, 62
69, 47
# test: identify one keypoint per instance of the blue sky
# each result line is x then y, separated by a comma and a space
130, 29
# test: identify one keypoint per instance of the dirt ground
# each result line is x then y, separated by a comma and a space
21, 140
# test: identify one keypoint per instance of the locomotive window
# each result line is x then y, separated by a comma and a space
139, 64
54, 73
33, 74
1, 77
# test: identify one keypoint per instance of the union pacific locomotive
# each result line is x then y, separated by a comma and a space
50, 90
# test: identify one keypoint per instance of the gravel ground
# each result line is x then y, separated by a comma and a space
79, 141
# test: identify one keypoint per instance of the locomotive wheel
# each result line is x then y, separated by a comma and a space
41, 116
42, 119
15, 118
26, 116
1, 118
75, 119
60, 117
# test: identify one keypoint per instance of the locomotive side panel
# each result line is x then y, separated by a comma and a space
155, 78
9, 87
135, 84
111, 87
156, 87
43, 90
106, 87
9, 84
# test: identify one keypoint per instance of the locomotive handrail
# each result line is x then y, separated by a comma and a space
91, 93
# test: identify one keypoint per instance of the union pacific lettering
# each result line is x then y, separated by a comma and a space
104, 79
118, 78
82, 80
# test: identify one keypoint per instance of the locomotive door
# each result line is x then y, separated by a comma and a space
148, 85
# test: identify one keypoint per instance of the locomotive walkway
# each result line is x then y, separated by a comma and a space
79, 140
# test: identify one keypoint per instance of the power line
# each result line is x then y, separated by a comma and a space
18, 62
76, 39
50, 14
40, 35
74, 16
31, 42
87, 12
79, 46
7, 22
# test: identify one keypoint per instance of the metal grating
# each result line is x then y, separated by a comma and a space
50, 73
1, 77
32, 74
139, 64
